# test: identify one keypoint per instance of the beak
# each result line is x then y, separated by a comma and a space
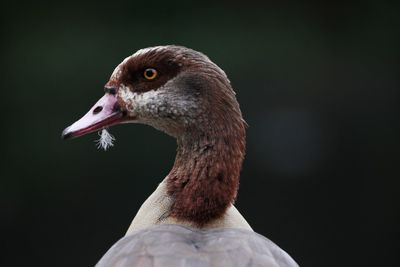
106, 112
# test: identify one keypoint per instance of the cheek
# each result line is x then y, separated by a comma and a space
127, 99
159, 107
151, 108
141, 105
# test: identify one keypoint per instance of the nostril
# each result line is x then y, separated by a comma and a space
97, 109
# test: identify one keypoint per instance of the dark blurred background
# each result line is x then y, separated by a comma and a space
318, 84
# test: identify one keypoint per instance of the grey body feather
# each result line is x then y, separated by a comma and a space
178, 246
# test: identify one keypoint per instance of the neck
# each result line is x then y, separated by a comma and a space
205, 177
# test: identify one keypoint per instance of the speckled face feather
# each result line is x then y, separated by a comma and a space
192, 100
163, 108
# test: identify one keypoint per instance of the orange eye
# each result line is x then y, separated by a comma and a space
150, 74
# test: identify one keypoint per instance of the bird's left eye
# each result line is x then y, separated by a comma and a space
150, 74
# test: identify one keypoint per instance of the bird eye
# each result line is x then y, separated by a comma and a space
150, 74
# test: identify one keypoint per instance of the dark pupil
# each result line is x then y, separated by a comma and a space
149, 73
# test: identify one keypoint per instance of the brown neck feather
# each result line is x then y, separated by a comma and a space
205, 177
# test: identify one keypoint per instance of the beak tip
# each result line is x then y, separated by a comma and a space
66, 134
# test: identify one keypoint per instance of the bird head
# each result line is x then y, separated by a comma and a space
172, 88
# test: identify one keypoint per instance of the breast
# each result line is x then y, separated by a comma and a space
179, 246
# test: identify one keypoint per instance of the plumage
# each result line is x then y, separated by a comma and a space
178, 246
190, 219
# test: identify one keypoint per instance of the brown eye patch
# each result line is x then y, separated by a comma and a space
156, 66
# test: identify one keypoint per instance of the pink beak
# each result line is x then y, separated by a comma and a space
106, 112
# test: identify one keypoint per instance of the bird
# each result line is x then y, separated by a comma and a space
190, 219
